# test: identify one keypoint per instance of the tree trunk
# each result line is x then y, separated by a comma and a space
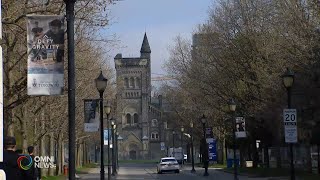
279, 165
255, 155
51, 140
24, 129
309, 160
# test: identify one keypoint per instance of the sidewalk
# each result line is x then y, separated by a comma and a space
219, 173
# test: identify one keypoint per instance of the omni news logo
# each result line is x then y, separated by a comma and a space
25, 162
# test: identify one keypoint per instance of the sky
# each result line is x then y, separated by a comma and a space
162, 20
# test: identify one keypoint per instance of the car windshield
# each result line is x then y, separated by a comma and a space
168, 160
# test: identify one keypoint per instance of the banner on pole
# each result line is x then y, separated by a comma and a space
107, 134
91, 115
241, 127
45, 36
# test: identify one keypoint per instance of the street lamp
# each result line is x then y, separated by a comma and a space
108, 110
71, 88
192, 153
205, 148
101, 84
173, 133
288, 80
113, 128
117, 150
182, 129
232, 108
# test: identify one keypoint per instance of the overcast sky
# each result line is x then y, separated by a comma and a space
161, 19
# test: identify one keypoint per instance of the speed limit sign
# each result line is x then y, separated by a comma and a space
290, 125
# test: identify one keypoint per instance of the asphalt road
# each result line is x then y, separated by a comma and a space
148, 172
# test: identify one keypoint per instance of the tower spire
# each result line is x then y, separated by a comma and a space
145, 47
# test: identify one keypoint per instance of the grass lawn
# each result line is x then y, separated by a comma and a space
212, 165
139, 161
274, 172
84, 169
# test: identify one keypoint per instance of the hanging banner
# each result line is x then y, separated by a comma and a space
241, 127
91, 115
45, 36
107, 134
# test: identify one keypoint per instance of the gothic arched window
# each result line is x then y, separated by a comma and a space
137, 82
135, 118
128, 117
154, 135
126, 82
132, 82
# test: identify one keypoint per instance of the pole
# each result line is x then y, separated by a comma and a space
292, 173
192, 156
112, 151
318, 149
173, 145
117, 151
182, 148
101, 138
109, 170
205, 153
71, 87
234, 148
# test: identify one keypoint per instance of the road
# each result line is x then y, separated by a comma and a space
148, 172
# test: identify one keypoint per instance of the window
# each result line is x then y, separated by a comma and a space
154, 135
138, 82
128, 117
154, 123
135, 118
126, 82
132, 82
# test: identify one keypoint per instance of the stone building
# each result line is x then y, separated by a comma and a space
138, 116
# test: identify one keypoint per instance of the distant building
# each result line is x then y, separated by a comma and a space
138, 115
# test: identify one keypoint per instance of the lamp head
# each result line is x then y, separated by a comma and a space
232, 105
191, 124
288, 78
107, 108
203, 119
101, 83
182, 128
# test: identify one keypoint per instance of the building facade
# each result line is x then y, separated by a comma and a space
138, 120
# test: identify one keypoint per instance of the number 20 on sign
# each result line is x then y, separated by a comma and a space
290, 125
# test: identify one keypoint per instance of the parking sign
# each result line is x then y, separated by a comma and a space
162, 146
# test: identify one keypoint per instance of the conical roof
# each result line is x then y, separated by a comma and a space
145, 48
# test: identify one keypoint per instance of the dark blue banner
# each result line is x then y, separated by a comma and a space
212, 149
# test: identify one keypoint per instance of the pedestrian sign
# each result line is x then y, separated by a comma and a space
162, 146
290, 125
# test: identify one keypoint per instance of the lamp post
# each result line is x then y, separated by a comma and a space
232, 108
71, 88
192, 153
117, 150
101, 84
173, 133
205, 148
108, 110
182, 129
113, 128
288, 79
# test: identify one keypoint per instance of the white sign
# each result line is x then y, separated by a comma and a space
162, 146
290, 125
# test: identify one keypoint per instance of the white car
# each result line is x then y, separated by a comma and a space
168, 164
